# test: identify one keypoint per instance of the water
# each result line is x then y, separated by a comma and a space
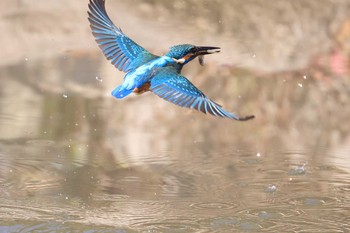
74, 159
141, 164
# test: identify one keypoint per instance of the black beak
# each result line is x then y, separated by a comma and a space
201, 51
198, 51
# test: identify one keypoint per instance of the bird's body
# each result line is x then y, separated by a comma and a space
135, 79
148, 72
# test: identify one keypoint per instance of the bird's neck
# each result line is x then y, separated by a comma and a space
168, 61
177, 66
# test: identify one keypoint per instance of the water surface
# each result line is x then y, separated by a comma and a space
74, 159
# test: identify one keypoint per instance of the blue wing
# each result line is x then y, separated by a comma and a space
123, 53
173, 87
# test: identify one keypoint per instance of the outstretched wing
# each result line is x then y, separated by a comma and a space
123, 52
177, 89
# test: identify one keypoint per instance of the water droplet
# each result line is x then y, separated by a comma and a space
299, 170
300, 84
65, 96
258, 154
304, 77
99, 79
254, 55
265, 215
313, 202
271, 188
26, 59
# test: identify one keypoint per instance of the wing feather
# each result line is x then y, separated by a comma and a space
171, 86
123, 52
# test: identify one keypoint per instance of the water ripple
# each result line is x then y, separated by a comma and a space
176, 224
40, 142
214, 206
43, 212
270, 212
313, 201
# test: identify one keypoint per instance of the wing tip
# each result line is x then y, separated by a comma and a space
246, 118
216, 110
97, 7
232, 116
200, 103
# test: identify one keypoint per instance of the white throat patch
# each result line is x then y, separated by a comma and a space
179, 61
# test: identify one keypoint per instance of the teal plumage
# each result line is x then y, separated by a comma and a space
171, 86
148, 72
123, 52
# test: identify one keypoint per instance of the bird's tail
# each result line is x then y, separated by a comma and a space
120, 92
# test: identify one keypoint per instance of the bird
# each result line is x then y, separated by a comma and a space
145, 71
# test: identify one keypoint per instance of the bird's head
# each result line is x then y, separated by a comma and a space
182, 54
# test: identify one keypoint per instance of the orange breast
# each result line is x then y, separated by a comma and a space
144, 88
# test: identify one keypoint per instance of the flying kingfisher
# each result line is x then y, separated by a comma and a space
148, 72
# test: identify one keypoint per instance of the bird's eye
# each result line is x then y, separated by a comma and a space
193, 50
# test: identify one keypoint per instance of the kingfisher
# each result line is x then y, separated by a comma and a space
148, 72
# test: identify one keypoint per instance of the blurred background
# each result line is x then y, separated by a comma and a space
73, 158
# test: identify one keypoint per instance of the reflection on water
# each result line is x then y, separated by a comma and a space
86, 161
72, 158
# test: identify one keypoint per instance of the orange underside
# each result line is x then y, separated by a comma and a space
144, 88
